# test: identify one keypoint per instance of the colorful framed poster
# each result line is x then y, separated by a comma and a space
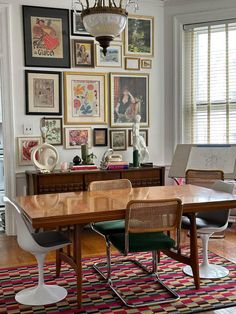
25, 147
146, 64
113, 58
118, 139
85, 98
143, 133
99, 137
46, 37
75, 137
43, 93
77, 26
132, 63
54, 130
129, 97
139, 36
83, 53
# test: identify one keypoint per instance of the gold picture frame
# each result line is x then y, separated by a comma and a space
132, 64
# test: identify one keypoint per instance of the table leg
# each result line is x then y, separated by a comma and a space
78, 261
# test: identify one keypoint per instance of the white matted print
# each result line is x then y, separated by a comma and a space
75, 137
25, 148
113, 58
132, 63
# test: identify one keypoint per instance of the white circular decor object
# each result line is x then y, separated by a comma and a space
45, 157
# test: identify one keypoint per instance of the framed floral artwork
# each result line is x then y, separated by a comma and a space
25, 147
129, 96
100, 137
113, 58
46, 37
54, 130
77, 26
83, 53
118, 139
143, 133
139, 36
75, 137
85, 98
43, 93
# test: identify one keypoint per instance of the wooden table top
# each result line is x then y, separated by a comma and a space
50, 210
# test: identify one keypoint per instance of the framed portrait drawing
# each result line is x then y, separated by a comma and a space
129, 97
43, 92
118, 139
100, 137
54, 130
25, 147
85, 98
75, 137
132, 63
83, 53
77, 26
113, 58
146, 64
143, 133
139, 36
46, 37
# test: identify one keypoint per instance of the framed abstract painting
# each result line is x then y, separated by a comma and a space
75, 137
25, 147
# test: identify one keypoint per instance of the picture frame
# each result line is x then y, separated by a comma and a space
132, 63
25, 148
83, 53
100, 137
77, 26
43, 92
146, 63
129, 94
46, 37
85, 98
143, 133
113, 57
54, 130
139, 36
75, 137
118, 140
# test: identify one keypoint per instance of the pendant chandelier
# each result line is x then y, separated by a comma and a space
104, 19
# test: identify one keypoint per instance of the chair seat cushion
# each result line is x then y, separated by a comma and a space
200, 223
50, 238
109, 227
142, 242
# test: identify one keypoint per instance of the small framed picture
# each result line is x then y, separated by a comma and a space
83, 53
54, 130
146, 64
132, 63
43, 93
77, 26
113, 58
100, 137
75, 137
143, 133
25, 147
118, 139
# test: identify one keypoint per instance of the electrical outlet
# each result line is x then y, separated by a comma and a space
28, 129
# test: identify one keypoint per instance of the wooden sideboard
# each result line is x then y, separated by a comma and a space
72, 181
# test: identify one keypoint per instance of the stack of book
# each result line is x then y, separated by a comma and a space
117, 165
83, 167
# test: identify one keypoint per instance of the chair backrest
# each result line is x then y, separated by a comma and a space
109, 185
152, 216
205, 178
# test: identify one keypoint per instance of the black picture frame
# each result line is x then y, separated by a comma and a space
103, 133
51, 31
79, 29
33, 106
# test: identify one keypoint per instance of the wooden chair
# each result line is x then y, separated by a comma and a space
205, 178
145, 223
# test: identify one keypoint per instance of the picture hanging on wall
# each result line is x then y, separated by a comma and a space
75, 137
77, 26
129, 97
83, 53
25, 147
100, 137
143, 133
113, 58
118, 139
54, 130
85, 98
46, 37
43, 93
139, 36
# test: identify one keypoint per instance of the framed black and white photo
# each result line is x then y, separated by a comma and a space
118, 139
77, 26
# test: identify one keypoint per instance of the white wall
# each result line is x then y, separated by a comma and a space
156, 134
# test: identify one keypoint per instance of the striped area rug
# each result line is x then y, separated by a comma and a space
98, 298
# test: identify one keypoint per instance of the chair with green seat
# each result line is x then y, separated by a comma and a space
105, 228
145, 223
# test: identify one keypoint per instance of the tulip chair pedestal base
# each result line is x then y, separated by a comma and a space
208, 271
41, 295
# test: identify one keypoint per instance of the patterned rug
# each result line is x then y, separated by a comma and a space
133, 283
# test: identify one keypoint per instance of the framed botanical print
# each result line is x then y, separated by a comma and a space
54, 130
43, 93
75, 137
113, 58
25, 148
139, 36
77, 26
46, 37
85, 98
143, 133
83, 53
118, 139
129, 97
100, 137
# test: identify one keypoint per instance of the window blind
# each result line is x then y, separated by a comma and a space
209, 107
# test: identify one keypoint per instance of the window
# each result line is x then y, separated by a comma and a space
209, 109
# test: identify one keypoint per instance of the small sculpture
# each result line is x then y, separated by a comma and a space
45, 157
76, 160
140, 152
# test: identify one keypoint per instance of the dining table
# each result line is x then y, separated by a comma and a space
74, 210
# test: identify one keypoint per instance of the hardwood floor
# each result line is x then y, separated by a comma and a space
93, 245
